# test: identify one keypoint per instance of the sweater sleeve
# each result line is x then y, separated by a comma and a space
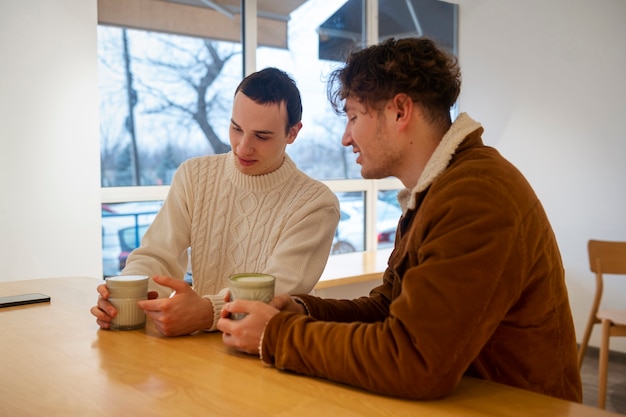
302, 250
218, 302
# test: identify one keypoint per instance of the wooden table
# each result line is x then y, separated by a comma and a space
353, 268
56, 362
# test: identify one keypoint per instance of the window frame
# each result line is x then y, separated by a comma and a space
370, 188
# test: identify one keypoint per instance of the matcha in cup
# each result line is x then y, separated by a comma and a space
250, 286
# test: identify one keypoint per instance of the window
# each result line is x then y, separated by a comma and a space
163, 99
166, 81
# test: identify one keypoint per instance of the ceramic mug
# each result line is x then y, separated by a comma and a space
125, 291
251, 286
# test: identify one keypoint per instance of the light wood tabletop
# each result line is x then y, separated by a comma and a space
353, 268
54, 361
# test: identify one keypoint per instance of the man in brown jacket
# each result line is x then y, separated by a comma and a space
475, 285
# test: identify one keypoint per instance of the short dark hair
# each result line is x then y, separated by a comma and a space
413, 66
273, 86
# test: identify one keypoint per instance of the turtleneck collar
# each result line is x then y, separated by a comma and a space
260, 183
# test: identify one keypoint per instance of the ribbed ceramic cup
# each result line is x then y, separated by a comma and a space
251, 286
125, 291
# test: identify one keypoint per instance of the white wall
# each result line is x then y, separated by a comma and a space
544, 78
49, 142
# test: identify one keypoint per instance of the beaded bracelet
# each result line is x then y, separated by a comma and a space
301, 302
261, 344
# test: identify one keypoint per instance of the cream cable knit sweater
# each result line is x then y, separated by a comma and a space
280, 223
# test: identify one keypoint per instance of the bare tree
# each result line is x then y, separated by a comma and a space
180, 92
132, 102
196, 66
335, 132
326, 135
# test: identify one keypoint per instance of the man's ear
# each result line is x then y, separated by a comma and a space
293, 132
403, 107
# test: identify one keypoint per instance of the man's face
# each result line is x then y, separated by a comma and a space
257, 135
370, 136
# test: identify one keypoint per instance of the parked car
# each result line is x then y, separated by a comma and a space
116, 217
350, 234
109, 241
389, 196
130, 239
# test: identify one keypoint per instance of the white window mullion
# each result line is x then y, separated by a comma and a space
371, 21
249, 27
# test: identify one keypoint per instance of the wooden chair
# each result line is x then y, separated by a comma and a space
604, 258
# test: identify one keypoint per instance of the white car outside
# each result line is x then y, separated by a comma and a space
350, 234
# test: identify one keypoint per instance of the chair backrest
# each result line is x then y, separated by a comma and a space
607, 257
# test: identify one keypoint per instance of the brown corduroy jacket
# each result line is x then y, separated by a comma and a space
475, 286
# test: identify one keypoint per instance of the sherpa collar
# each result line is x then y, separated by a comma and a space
460, 129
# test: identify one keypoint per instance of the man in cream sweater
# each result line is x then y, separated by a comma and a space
250, 210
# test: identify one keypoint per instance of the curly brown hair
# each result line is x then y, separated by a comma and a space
412, 66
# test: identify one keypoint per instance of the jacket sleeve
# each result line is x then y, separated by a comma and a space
369, 309
453, 296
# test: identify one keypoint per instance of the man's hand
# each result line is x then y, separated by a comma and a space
245, 334
183, 313
285, 302
105, 311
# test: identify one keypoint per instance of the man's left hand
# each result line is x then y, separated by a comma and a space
183, 313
